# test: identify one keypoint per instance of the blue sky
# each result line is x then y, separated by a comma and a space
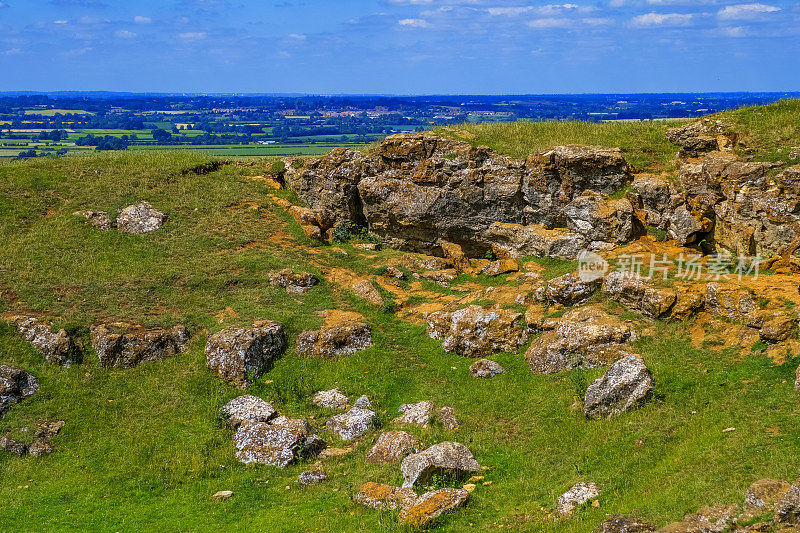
400, 46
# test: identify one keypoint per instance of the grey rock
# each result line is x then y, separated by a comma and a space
240, 355
247, 409
446, 459
332, 399
334, 340
382, 496
418, 414
294, 283
516, 240
579, 494
599, 218
627, 382
311, 477
259, 442
447, 417
391, 447
98, 219
140, 218
787, 510
123, 345
58, 348
485, 368
15, 385
475, 331
351, 424
624, 524
569, 289
13, 446
363, 402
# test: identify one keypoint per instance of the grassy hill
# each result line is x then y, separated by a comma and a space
144, 448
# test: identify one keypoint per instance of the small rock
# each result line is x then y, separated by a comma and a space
276, 445
363, 402
765, 493
391, 447
332, 399
368, 246
485, 368
351, 424
447, 459
15, 385
579, 494
787, 509
240, 355
48, 430
624, 524
381, 496
442, 277
247, 409
501, 266
310, 477
140, 218
58, 348
365, 290
395, 272
221, 495
123, 345
418, 414
626, 382
447, 417
335, 340
294, 283
430, 506
708, 519
469, 487
570, 289
456, 257
40, 447
98, 219
13, 446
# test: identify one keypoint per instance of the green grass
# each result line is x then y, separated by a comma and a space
144, 448
643, 143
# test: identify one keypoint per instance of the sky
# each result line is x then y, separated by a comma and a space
399, 46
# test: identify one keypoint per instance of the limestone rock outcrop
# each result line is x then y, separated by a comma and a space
475, 331
627, 382
140, 218
240, 355
123, 345
446, 459
58, 347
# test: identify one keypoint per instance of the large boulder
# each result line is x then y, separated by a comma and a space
446, 459
418, 191
352, 424
585, 337
240, 355
475, 331
391, 447
417, 414
430, 506
334, 340
515, 240
123, 345
140, 218
599, 218
58, 347
627, 382
278, 443
569, 289
15, 385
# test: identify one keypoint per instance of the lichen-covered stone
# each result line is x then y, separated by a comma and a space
579, 494
98, 219
240, 355
446, 459
765, 493
382, 496
332, 399
447, 417
15, 385
638, 293
624, 524
585, 337
58, 348
259, 442
485, 368
456, 257
391, 447
140, 218
351, 424
475, 331
516, 240
570, 289
627, 382
334, 340
365, 290
418, 414
363, 402
311, 477
123, 345
247, 409
501, 266
787, 508
294, 283
430, 506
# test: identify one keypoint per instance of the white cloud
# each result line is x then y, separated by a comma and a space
597, 21
745, 11
414, 23
138, 19
193, 35
77, 51
298, 36
60, 21
547, 10
12, 52
662, 19
509, 11
550, 23
124, 34
411, 2
734, 31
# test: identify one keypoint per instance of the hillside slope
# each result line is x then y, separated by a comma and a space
145, 447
